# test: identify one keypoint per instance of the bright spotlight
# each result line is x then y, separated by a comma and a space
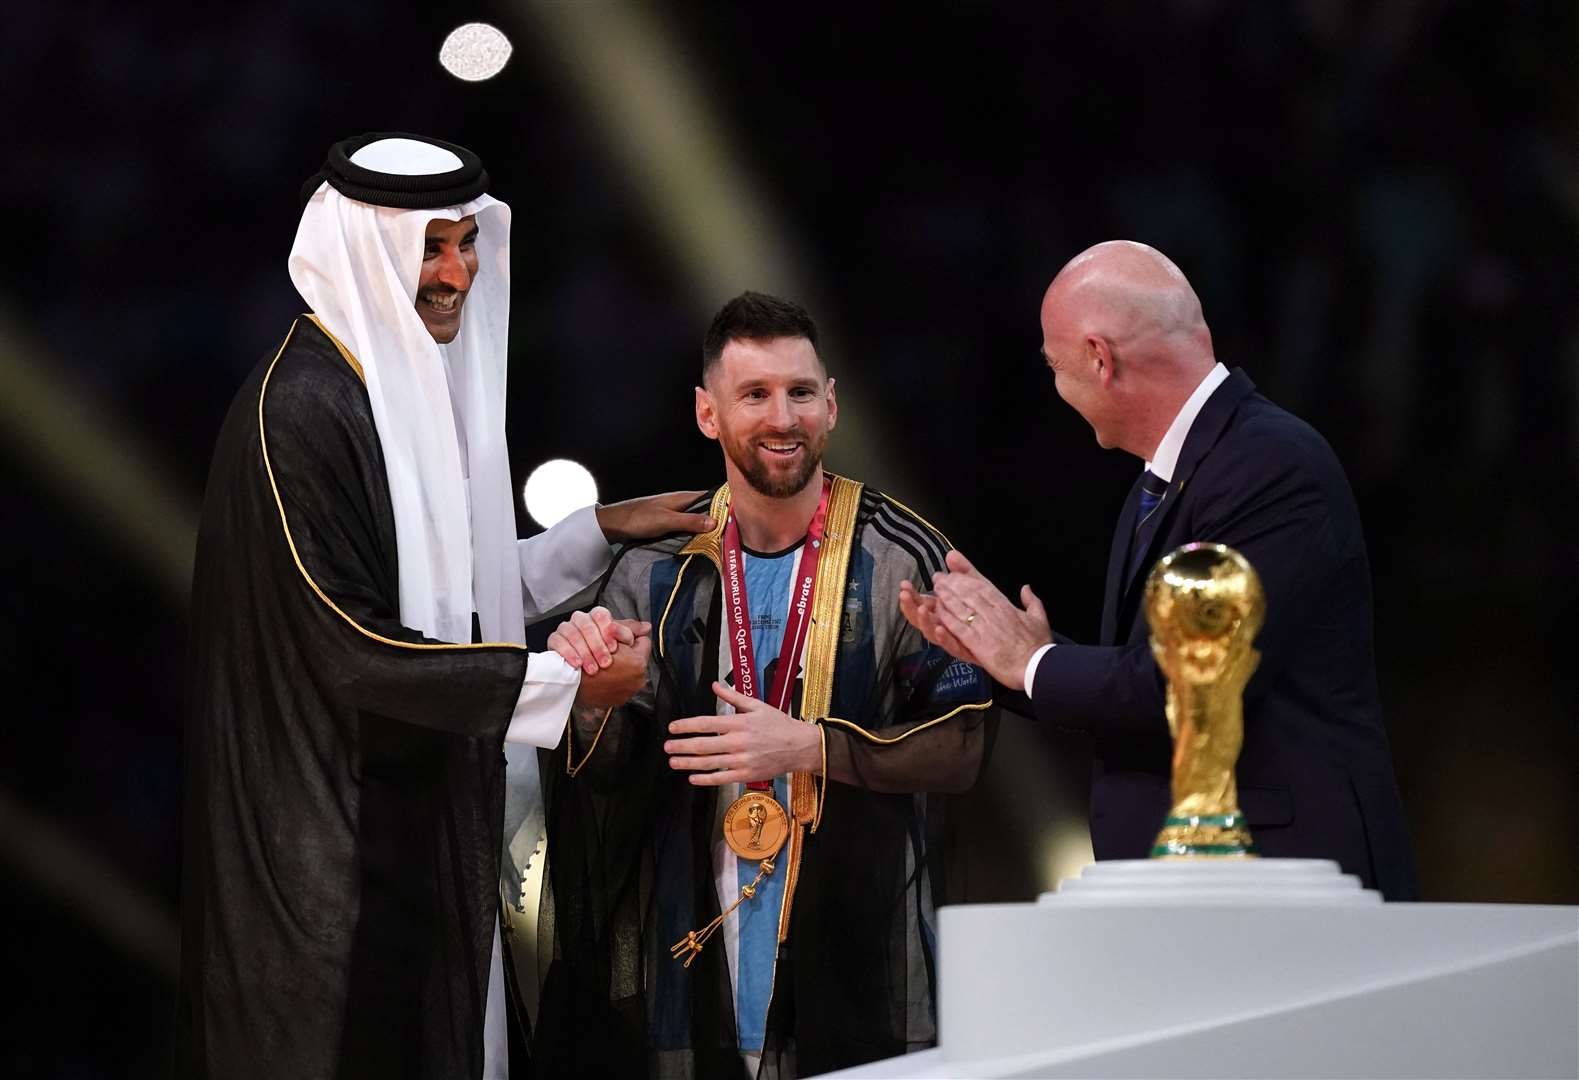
474, 52
557, 487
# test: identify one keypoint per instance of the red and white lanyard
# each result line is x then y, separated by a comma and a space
738, 613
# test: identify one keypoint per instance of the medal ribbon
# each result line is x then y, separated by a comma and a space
738, 612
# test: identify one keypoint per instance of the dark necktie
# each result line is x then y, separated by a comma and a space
1152, 489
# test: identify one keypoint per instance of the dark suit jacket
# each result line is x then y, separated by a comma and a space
1315, 775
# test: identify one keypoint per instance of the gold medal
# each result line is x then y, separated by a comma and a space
755, 826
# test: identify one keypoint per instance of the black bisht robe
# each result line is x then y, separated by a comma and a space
630, 839
345, 775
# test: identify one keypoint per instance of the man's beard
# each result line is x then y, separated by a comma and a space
776, 485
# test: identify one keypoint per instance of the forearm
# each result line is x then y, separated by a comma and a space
544, 703
839, 768
559, 566
942, 755
1106, 690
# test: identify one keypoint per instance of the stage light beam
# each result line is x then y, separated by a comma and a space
660, 124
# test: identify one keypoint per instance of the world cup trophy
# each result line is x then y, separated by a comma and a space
1205, 606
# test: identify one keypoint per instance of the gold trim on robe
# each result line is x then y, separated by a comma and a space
290, 542
822, 651
356, 365
903, 735
711, 543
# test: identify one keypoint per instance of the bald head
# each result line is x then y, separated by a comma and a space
1124, 334
1136, 298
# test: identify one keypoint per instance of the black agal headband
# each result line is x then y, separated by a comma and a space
423, 192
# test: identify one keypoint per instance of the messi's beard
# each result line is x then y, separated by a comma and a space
777, 485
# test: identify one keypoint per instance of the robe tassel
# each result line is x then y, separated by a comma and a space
690, 946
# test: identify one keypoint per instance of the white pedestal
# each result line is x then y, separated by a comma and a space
1263, 967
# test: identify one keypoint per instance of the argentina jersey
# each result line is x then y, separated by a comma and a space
751, 932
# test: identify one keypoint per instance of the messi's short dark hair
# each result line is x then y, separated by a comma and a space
754, 316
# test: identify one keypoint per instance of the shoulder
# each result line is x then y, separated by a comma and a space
634, 565
889, 525
633, 558
314, 414
1267, 440
1271, 462
307, 383
666, 547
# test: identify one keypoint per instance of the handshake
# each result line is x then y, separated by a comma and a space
611, 654
753, 742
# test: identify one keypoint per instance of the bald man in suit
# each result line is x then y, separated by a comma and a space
1129, 349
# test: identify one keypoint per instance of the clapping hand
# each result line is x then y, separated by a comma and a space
969, 618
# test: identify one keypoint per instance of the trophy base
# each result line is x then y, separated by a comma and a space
1205, 836
1270, 967
1183, 882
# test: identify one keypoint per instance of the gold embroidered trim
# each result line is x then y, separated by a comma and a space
822, 647
344, 352
902, 736
822, 790
570, 729
797, 837
711, 543
679, 577
285, 525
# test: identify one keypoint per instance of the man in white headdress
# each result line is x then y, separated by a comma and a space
357, 674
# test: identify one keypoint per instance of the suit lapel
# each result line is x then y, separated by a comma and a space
1208, 427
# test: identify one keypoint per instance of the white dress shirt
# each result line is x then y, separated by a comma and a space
1165, 459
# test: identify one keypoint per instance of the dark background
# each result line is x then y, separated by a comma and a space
1377, 202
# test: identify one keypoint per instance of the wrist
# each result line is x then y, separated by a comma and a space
810, 751
1020, 669
1028, 668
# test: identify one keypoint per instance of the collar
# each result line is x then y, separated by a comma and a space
1165, 460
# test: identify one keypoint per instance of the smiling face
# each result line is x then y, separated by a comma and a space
771, 405
449, 266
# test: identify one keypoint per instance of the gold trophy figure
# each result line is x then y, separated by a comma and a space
1205, 606
758, 818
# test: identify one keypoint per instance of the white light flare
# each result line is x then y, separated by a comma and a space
474, 52
556, 488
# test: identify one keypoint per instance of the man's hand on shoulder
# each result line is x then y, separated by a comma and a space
652, 516
969, 618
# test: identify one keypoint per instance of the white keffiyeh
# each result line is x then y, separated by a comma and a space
439, 409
